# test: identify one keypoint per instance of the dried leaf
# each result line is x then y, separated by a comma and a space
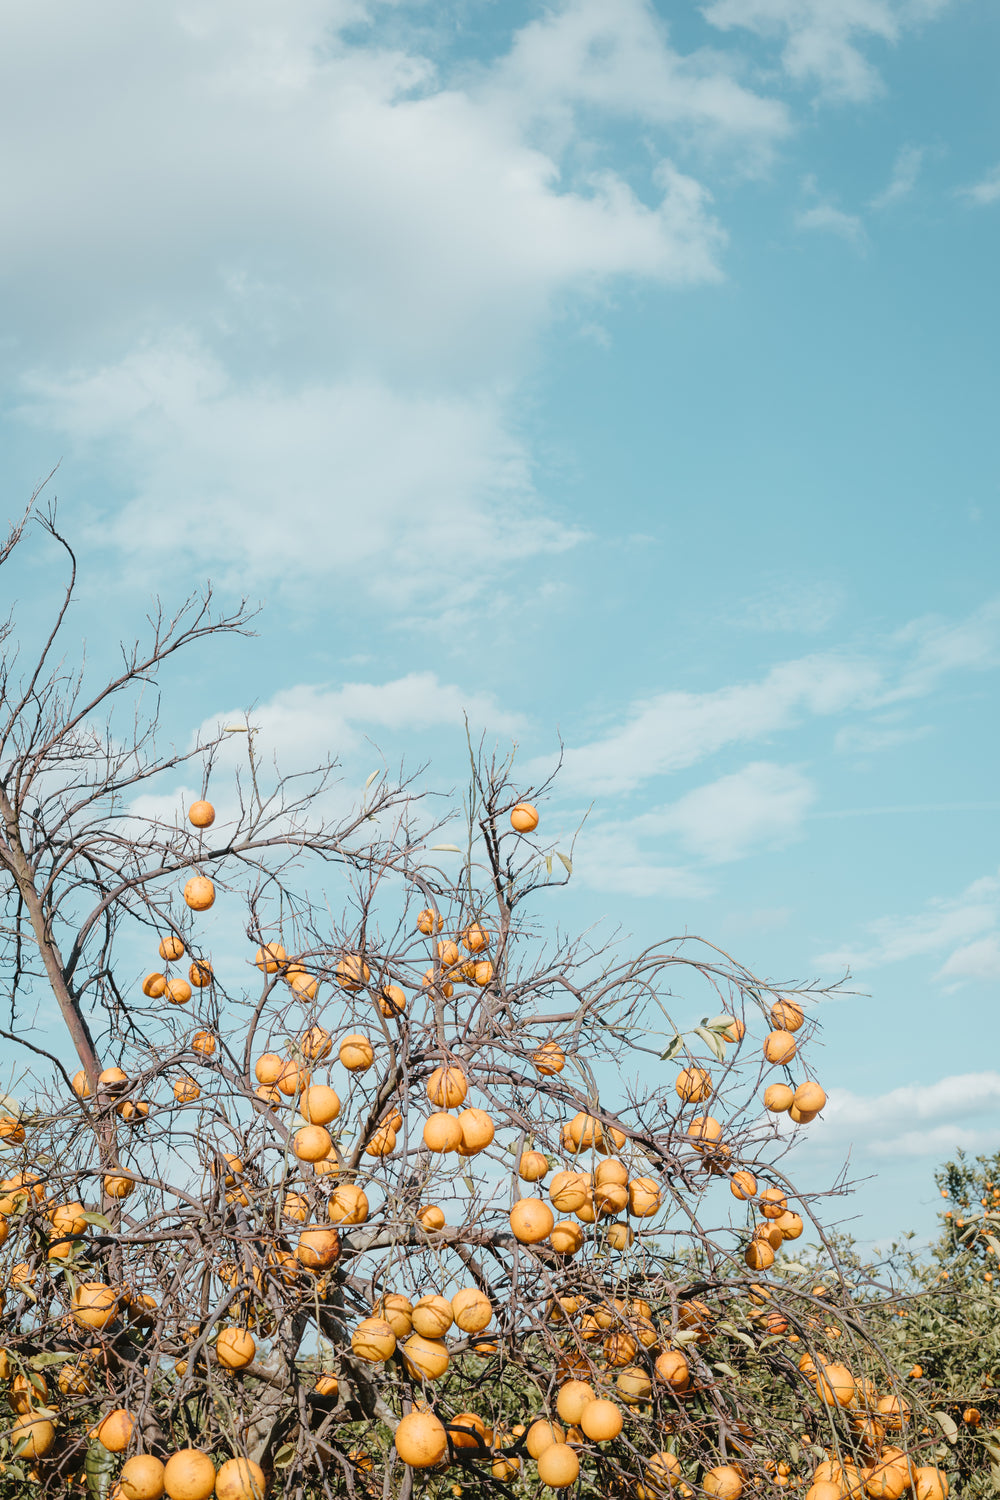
447, 848
712, 1040
566, 861
673, 1049
946, 1425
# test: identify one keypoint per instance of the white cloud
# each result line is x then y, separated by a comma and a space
822, 39
303, 725
952, 923
905, 171
979, 960
791, 607
858, 739
354, 488
828, 219
760, 806
673, 730
986, 190
883, 1126
307, 269
618, 59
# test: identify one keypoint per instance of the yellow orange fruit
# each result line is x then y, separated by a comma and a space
524, 818
199, 893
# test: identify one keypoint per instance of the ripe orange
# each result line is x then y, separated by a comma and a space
114, 1430
432, 1316
391, 1000
421, 1440
778, 1098
426, 1358
809, 1098
397, 1311
235, 1348
724, 1482
773, 1203
549, 1059
524, 818
317, 1249
429, 922
476, 938
558, 1466
601, 1420
171, 948
311, 1143
177, 991
743, 1185
141, 1478
703, 1132
477, 1129
153, 986
542, 1435
532, 1166
240, 1479
94, 1304
189, 1474
431, 1217
643, 1197
201, 814
199, 893
531, 1221
566, 1238
353, 973
673, 1369
356, 1053
447, 1086
203, 1042
200, 974
779, 1046
373, 1340
36, 1433
786, 1015
693, 1085
270, 958
348, 1204
472, 1309
81, 1087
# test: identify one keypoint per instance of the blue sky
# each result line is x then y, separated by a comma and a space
624, 372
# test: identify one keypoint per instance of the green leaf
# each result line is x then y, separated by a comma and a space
725, 1369
673, 1049
98, 1220
568, 863
42, 1361
712, 1040
946, 1425
284, 1456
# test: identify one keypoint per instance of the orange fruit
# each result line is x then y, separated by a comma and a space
204, 1043
353, 973
542, 1435
201, 814
472, 1309
786, 1015
429, 922
235, 1348
171, 948
348, 1204
778, 1098
141, 1478
177, 991
356, 1053
601, 1420
240, 1479
114, 1430
426, 1358
524, 818
153, 987
189, 1474
447, 1086
421, 1440
692, 1085
558, 1466
432, 1316
531, 1221
743, 1185
549, 1059
199, 893
779, 1046
373, 1340
270, 958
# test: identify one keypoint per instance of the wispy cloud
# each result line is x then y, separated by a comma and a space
905, 171
917, 1119
826, 218
985, 191
954, 926
823, 40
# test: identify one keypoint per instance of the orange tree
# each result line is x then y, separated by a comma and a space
412, 1194
941, 1326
